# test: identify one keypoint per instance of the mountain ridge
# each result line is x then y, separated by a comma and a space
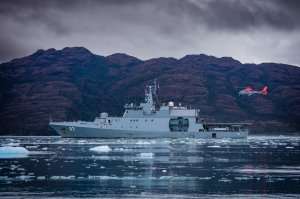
75, 84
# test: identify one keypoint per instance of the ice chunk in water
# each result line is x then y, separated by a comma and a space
31, 147
13, 152
11, 144
142, 142
214, 146
41, 178
104, 148
147, 155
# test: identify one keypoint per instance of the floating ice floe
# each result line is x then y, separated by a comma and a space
204, 178
220, 160
214, 146
104, 148
273, 171
11, 144
243, 178
41, 177
81, 142
31, 147
142, 142
13, 152
120, 149
24, 177
224, 180
147, 155
289, 147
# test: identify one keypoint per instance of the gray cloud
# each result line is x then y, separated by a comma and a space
251, 31
242, 14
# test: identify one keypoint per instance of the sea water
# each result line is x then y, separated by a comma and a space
54, 167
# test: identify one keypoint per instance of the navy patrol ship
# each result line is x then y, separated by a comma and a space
149, 120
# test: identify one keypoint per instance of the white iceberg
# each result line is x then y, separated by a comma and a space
104, 148
13, 152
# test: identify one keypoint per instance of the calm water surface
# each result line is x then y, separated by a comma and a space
258, 167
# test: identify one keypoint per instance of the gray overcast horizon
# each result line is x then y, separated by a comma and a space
251, 31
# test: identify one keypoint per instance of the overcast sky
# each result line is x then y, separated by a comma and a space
251, 31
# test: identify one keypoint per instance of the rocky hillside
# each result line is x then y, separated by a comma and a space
75, 84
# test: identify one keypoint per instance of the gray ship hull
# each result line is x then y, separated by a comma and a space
90, 132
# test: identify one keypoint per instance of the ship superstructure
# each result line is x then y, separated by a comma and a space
151, 120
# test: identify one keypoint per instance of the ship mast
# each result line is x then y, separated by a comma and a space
149, 105
156, 86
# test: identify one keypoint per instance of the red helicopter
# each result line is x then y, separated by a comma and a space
249, 91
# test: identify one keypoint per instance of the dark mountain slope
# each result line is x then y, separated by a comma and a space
74, 84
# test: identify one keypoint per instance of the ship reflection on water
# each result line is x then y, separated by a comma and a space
153, 168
